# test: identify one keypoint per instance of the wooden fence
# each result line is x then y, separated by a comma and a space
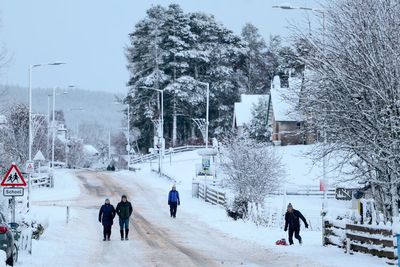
369, 239
211, 195
377, 241
334, 233
42, 180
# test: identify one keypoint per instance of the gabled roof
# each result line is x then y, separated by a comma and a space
242, 110
285, 100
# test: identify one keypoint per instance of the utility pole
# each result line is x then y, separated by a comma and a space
32, 66
207, 111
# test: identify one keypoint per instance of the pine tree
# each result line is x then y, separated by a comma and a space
254, 71
258, 126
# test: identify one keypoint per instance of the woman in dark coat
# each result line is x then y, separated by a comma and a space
106, 217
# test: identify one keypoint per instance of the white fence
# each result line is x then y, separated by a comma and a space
148, 157
211, 195
305, 190
42, 180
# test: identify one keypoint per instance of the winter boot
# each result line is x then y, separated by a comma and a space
126, 234
122, 234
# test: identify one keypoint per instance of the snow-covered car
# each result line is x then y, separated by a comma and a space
7, 243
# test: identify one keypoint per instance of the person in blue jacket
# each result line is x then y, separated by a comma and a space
173, 201
106, 217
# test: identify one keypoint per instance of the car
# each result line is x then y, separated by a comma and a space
7, 243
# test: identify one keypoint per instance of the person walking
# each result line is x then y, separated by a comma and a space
124, 210
106, 218
292, 220
173, 201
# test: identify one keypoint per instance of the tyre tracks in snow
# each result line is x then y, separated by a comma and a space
160, 249
163, 241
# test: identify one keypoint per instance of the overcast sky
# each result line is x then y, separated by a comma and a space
90, 35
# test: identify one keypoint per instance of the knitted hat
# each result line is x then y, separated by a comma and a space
290, 206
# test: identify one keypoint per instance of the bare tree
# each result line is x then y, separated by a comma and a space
253, 170
352, 91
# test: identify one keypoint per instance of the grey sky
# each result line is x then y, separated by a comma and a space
90, 35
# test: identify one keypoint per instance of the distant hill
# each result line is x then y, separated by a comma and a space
97, 106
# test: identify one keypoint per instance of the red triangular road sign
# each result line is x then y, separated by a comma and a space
13, 177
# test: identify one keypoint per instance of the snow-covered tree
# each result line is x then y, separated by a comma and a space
352, 91
254, 71
257, 129
173, 50
75, 153
253, 173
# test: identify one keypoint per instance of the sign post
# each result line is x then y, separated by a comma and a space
13, 185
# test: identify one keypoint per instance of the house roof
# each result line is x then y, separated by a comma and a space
242, 110
285, 100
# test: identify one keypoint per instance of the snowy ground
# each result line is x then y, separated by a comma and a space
201, 235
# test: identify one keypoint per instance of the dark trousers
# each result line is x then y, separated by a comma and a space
107, 231
172, 208
296, 232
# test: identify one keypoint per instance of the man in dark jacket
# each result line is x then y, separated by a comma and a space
292, 217
124, 211
173, 201
106, 217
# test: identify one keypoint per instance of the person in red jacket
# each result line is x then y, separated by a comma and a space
292, 220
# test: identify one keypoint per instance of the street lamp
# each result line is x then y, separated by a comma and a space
54, 124
161, 128
207, 110
128, 147
324, 176
319, 10
31, 67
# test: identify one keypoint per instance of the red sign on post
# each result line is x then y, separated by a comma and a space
321, 185
13, 177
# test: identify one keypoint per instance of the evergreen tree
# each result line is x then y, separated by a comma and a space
172, 50
258, 126
254, 71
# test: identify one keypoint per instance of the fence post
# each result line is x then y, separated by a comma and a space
398, 248
67, 214
348, 245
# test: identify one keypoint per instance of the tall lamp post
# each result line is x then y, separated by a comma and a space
161, 130
128, 146
324, 176
207, 110
322, 12
31, 67
54, 127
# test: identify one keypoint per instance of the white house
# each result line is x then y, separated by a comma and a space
287, 122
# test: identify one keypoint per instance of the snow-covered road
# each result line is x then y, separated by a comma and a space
155, 238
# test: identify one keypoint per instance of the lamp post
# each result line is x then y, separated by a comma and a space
128, 146
161, 130
207, 110
324, 176
322, 12
54, 126
30, 141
